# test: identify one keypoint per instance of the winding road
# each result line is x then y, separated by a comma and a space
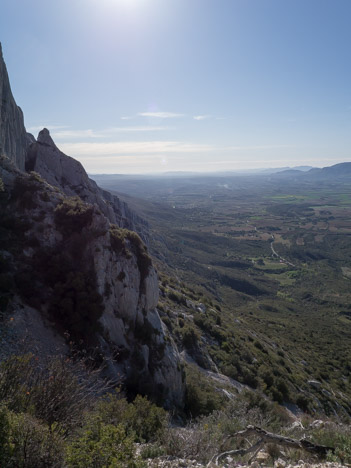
279, 256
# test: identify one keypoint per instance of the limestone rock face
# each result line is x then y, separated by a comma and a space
133, 324
68, 174
13, 137
70, 255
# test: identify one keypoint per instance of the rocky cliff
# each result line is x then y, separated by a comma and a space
13, 136
69, 264
64, 172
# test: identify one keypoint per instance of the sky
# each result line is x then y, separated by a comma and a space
145, 86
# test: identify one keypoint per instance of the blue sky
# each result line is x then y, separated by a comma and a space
130, 86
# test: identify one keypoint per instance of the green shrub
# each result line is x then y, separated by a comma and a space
112, 408
167, 321
152, 451
35, 176
190, 336
63, 391
176, 297
337, 436
143, 258
147, 420
72, 215
27, 442
201, 398
16, 373
102, 445
283, 389
303, 402
5, 449
277, 396
343, 449
141, 418
267, 377
119, 236
259, 345
57, 392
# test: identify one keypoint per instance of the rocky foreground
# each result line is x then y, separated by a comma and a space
171, 462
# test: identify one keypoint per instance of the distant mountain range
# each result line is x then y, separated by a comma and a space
180, 174
283, 169
339, 171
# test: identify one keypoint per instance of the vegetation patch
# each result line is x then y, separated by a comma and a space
67, 288
72, 215
201, 396
25, 190
122, 240
51, 415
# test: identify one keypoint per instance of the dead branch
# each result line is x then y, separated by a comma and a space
269, 437
240, 452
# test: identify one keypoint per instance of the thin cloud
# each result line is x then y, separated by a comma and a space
66, 134
136, 129
256, 147
124, 148
201, 117
37, 128
94, 149
106, 132
126, 117
161, 115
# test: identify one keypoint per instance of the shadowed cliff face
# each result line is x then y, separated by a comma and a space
13, 136
73, 263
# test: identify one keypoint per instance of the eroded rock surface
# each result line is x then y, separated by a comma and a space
13, 136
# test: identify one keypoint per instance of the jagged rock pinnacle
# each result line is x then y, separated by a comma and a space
44, 138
